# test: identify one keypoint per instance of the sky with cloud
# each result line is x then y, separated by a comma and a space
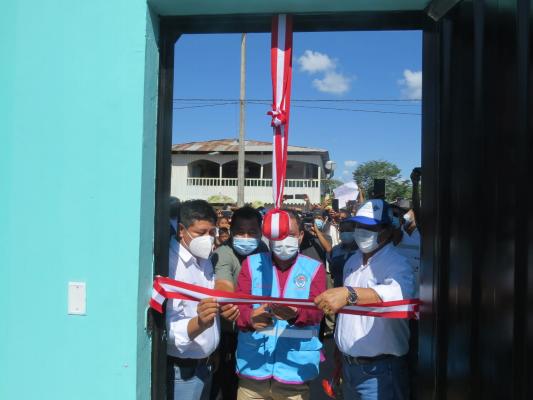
327, 79
349, 73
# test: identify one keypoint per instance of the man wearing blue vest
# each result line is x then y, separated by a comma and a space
278, 351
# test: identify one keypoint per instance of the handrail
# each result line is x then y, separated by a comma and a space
252, 182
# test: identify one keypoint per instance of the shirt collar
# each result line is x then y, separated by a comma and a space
385, 249
186, 256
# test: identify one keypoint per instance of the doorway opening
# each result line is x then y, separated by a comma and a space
200, 163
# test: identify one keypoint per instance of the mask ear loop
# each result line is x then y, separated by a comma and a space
190, 237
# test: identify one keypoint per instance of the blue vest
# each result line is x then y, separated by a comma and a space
284, 352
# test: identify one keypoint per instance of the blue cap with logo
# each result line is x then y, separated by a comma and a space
373, 212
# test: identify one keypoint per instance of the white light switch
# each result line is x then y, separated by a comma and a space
76, 298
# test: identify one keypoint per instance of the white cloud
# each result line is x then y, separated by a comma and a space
350, 163
411, 84
345, 172
314, 61
333, 82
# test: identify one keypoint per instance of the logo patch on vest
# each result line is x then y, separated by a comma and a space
300, 281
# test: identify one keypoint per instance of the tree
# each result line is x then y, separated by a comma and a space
330, 184
219, 199
395, 186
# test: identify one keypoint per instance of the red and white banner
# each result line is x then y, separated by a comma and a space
166, 288
276, 222
281, 67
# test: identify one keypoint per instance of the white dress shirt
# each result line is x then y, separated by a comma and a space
183, 266
391, 276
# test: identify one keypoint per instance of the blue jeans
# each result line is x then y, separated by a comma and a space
385, 379
189, 383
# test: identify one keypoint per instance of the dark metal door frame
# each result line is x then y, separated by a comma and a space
171, 28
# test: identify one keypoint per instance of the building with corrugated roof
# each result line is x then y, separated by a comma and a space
201, 170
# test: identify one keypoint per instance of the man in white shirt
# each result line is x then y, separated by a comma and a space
331, 226
193, 327
374, 349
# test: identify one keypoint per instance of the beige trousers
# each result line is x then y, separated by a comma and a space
270, 389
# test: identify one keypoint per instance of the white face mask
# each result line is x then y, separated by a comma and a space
366, 240
285, 249
201, 246
408, 219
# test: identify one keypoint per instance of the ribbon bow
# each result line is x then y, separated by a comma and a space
279, 118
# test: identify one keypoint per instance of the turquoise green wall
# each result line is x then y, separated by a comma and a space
78, 94
77, 145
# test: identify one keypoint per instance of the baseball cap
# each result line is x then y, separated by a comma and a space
402, 204
372, 212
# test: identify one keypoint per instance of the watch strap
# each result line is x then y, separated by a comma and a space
352, 297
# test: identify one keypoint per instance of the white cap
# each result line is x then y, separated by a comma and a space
373, 212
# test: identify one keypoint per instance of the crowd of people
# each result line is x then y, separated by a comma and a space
365, 255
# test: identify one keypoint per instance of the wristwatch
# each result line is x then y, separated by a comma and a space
352, 296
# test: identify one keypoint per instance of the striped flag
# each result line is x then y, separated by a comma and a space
276, 223
281, 67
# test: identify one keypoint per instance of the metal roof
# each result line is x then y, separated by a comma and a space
232, 146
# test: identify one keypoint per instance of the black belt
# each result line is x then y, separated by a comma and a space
189, 362
366, 360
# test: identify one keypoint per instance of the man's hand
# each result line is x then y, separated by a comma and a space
261, 317
230, 312
396, 235
207, 311
326, 245
415, 176
332, 300
284, 312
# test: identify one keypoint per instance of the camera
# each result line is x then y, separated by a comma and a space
227, 213
308, 220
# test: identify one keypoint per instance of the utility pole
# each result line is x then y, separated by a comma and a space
240, 162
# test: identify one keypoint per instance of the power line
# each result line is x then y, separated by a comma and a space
382, 104
350, 109
251, 102
358, 110
206, 105
199, 99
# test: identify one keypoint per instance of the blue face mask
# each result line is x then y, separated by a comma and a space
245, 246
347, 237
319, 223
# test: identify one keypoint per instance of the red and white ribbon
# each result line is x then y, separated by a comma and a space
166, 288
281, 68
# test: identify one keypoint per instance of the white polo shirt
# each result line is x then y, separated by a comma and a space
391, 276
183, 266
